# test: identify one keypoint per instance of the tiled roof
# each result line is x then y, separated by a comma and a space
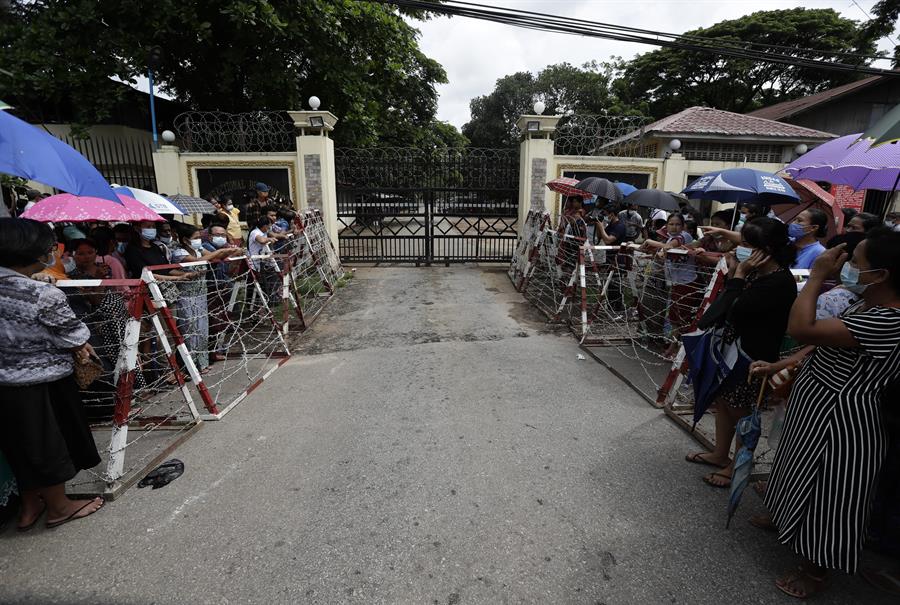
780, 111
706, 120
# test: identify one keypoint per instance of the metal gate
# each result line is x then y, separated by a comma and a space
427, 205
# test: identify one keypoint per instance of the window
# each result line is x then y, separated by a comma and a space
732, 152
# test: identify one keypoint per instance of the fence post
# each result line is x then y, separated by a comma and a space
536, 165
315, 159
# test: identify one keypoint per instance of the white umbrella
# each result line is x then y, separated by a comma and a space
153, 201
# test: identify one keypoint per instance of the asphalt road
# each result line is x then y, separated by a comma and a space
431, 442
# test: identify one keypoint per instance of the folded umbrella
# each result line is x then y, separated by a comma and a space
36, 155
741, 185
153, 201
566, 186
850, 161
601, 188
652, 198
65, 207
749, 430
714, 363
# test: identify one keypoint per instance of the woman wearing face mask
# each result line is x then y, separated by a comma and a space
753, 308
833, 443
218, 288
44, 434
144, 250
233, 226
191, 311
806, 230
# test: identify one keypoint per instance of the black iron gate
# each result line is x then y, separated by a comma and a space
424, 206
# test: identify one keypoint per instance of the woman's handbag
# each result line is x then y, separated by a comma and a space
87, 371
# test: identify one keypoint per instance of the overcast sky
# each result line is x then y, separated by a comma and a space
477, 53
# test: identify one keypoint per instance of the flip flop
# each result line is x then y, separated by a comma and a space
699, 459
24, 528
723, 476
73, 516
818, 584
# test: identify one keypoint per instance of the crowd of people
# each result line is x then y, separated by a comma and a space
45, 331
830, 340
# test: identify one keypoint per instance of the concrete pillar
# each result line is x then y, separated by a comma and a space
166, 167
315, 159
536, 164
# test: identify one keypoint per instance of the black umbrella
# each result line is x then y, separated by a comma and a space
601, 188
653, 198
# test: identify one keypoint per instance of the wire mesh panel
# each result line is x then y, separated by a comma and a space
440, 205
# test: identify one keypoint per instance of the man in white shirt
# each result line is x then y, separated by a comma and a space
258, 244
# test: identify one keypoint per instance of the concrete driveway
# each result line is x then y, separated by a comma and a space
431, 442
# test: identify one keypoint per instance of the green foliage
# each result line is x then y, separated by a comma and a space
561, 87
666, 81
359, 58
883, 23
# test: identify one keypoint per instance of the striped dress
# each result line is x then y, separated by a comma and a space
834, 442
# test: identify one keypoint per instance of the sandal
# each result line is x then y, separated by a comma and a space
708, 480
699, 458
807, 584
74, 516
763, 522
24, 528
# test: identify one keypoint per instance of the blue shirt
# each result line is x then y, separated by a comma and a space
808, 255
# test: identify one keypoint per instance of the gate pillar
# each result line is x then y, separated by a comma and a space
536, 164
315, 158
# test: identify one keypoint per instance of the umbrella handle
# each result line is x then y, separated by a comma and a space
762, 390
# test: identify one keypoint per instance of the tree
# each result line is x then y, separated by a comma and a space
882, 25
668, 80
561, 87
360, 58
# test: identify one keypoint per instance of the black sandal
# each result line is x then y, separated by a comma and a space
698, 458
73, 516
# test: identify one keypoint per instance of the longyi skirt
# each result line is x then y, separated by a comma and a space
44, 433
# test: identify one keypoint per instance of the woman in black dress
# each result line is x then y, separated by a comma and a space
43, 431
834, 441
754, 309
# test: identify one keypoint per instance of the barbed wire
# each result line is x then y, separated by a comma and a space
610, 135
216, 131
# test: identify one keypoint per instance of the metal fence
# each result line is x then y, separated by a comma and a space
124, 161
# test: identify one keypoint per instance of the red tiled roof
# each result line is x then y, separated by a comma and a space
706, 120
780, 111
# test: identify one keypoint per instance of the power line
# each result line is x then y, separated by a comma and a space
558, 24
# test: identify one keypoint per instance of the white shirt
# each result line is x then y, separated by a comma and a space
255, 248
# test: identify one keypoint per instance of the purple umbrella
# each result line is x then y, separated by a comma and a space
851, 161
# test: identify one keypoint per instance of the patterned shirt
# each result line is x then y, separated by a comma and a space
37, 330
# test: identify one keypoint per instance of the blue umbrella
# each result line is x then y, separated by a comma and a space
713, 364
33, 154
741, 185
748, 428
625, 188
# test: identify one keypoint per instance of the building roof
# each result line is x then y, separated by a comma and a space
695, 122
706, 120
780, 111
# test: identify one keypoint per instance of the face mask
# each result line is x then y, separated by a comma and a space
166, 239
889, 224
120, 247
743, 253
229, 207
219, 241
850, 278
148, 234
796, 231
197, 244
742, 219
50, 263
68, 264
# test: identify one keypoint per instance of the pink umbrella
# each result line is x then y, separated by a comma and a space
73, 208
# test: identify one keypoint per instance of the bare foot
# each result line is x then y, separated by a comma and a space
75, 509
763, 522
